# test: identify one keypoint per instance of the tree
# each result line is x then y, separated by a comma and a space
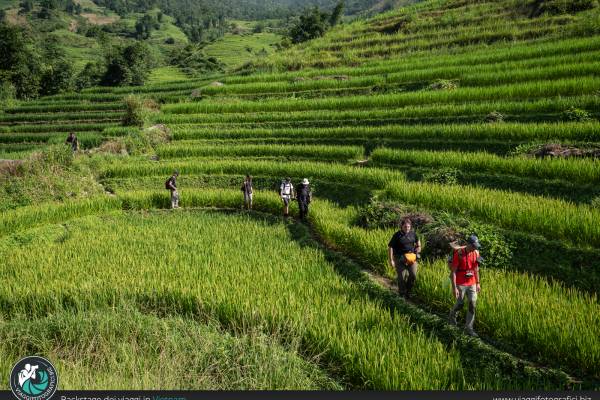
20, 64
129, 65
57, 78
336, 14
91, 75
312, 24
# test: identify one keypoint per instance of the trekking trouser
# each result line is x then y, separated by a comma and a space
407, 275
470, 292
174, 199
247, 198
303, 206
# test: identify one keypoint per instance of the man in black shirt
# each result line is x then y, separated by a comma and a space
72, 141
403, 250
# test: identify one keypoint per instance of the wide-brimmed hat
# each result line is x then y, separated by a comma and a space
305, 181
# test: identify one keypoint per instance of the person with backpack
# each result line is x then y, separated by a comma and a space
286, 192
72, 141
171, 185
403, 251
304, 197
247, 191
464, 276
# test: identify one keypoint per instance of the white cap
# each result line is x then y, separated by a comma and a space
305, 181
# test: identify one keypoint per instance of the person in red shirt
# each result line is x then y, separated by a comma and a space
464, 265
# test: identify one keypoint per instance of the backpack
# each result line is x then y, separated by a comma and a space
286, 189
168, 184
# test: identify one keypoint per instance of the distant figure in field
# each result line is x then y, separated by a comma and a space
304, 197
247, 190
286, 192
72, 141
403, 251
464, 267
171, 185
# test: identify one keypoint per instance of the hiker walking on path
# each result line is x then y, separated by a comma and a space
403, 250
464, 265
72, 141
304, 197
286, 192
171, 185
247, 190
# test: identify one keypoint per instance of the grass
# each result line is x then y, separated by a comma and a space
166, 349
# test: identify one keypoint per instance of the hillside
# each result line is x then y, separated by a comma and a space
438, 110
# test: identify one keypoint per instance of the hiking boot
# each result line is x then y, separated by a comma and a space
452, 319
471, 333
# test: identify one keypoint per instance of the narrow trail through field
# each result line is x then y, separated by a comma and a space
436, 322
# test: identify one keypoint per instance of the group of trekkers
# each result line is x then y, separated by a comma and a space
302, 194
404, 253
404, 249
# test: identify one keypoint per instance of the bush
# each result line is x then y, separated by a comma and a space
8, 94
193, 60
496, 250
576, 115
595, 202
137, 141
443, 84
557, 7
494, 117
444, 176
138, 111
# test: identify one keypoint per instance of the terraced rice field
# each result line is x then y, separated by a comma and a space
386, 109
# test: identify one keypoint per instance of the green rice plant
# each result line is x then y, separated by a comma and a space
554, 219
582, 171
461, 132
486, 75
30, 216
194, 149
68, 107
469, 56
370, 177
530, 111
528, 90
43, 128
69, 116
